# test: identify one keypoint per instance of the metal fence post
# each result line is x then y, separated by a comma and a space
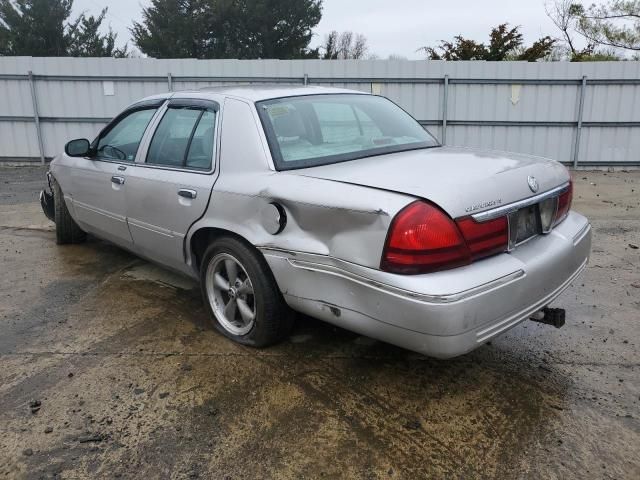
445, 101
576, 147
36, 116
305, 80
170, 82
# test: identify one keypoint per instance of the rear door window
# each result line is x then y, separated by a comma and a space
201, 149
184, 138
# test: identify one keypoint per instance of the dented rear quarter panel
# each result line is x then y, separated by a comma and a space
325, 217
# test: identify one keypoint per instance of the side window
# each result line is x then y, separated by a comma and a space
121, 142
170, 139
184, 137
201, 148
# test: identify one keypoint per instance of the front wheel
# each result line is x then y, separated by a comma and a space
241, 294
67, 230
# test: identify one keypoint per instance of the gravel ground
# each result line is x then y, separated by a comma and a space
109, 368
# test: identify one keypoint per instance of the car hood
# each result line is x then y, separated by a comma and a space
460, 180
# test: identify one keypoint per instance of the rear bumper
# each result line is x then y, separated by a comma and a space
441, 314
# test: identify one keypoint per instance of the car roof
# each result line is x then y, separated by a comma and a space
256, 93
265, 92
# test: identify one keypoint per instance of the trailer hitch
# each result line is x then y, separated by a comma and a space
550, 316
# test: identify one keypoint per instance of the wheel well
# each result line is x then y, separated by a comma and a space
203, 238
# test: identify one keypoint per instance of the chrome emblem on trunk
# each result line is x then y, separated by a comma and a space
483, 205
533, 183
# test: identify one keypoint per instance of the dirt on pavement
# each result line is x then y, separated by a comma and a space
109, 368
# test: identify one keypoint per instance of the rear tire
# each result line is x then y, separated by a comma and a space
258, 315
67, 230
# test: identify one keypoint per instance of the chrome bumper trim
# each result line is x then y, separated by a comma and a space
512, 207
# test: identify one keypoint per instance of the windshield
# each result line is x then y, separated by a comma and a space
314, 130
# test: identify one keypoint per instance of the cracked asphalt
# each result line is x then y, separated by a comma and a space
109, 368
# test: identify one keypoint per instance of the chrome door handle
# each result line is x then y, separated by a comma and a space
117, 180
121, 168
186, 193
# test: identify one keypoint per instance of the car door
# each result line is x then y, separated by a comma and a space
99, 182
169, 189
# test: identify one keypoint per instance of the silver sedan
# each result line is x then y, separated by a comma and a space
330, 202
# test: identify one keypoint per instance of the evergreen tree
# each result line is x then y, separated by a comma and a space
227, 28
176, 29
504, 44
41, 28
84, 38
34, 27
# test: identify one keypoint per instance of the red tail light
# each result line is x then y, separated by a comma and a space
422, 238
564, 204
485, 238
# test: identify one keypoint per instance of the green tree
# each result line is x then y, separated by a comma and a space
84, 38
613, 24
228, 28
504, 44
42, 28
34, 27
178, 29
277, 28
459, 48
577, 25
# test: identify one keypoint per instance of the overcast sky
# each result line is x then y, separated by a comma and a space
391, 26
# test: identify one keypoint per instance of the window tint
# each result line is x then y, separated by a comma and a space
122, 140
171, 138
315, 130
201, 148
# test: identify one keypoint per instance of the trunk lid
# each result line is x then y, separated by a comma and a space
461, 181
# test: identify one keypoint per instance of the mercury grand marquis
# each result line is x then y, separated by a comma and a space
330, 202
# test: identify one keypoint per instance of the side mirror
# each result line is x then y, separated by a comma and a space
77, 148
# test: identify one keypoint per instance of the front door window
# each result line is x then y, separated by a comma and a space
122, 140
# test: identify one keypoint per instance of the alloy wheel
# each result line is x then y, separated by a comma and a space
230, 294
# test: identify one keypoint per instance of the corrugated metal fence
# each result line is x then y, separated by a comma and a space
579, 113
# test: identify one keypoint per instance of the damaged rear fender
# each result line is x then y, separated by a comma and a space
344, 221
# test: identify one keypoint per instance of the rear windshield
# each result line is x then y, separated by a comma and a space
314, 130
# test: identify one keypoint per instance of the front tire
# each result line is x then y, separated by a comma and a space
241, 294
67, 230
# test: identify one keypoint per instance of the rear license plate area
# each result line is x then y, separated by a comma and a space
524, 224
